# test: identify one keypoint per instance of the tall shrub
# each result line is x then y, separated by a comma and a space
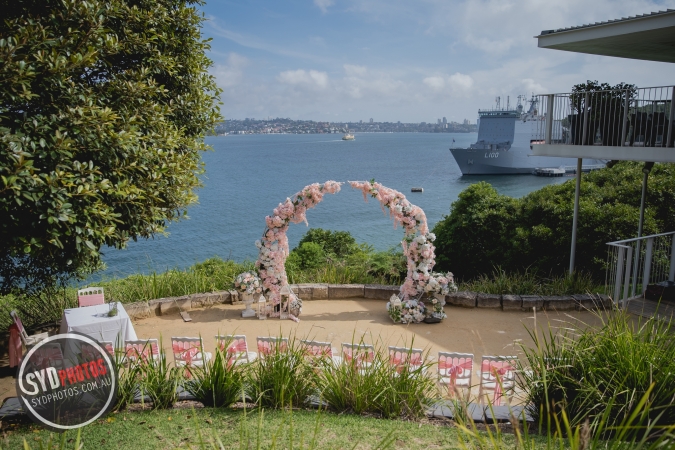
478, 233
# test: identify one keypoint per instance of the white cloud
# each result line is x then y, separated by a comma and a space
230, 74
323, 5
354, 71
531, 86
215, 27
436, 83
461, 81
312, 78
457, 82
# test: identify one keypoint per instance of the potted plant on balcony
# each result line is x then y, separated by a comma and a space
588, 107
611, 112
603, 105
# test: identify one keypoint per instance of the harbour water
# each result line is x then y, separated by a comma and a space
248, 175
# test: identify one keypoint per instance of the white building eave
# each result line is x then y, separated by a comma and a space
649, 37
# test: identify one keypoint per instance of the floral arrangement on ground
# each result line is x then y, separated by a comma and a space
406, 311
248, 283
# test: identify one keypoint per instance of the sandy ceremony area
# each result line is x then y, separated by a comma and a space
479, 331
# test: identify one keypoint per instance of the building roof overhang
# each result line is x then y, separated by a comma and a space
648, 37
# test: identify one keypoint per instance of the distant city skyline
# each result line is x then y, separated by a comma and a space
348, 60
371, 120
282, 125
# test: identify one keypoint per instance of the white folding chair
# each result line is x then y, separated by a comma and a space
454, 371
28, 341
497, 375
90, 354
269, 345
236, 348
90, 296
362, 355
141, 350
319, 350
400, 357
188, 351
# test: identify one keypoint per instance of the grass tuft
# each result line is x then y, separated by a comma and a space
530, 283
378, 388
282, 378
159, 380
604, 373
218, 383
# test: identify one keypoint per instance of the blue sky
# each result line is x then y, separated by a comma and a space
407, 60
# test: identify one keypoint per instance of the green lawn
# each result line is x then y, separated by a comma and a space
180, 428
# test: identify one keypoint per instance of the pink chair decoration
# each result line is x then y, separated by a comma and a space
454, 371
90, 297
402, 356
497, 374
49, 355
89, 354
15, 347
143, 350
236, 349
268, 345
187, 351
362, 355
319, 350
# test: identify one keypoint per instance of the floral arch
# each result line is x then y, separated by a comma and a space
417, 241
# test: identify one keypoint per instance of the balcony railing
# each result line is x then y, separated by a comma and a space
624, 117
632, 264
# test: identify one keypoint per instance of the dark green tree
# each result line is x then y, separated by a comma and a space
477, 233
334, 243
103, 109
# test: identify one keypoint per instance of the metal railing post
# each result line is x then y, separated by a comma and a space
624, 129
619, 275
648, 264
672, 113
636, 265
671, 274
584, 129
549, 117
626, 281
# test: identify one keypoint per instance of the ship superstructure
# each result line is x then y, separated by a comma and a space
504, 144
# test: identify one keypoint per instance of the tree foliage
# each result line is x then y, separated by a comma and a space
486, 229
103, 109
334, 243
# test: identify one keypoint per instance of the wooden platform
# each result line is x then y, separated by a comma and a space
650, 308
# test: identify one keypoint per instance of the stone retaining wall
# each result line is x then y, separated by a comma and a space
171, 305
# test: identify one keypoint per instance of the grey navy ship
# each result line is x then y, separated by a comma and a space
504, 144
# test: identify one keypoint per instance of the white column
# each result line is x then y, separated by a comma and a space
575, 218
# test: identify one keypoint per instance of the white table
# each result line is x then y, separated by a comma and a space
95, 323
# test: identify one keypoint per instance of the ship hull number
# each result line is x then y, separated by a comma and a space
492, 154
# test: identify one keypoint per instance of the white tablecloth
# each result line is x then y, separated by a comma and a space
95, 323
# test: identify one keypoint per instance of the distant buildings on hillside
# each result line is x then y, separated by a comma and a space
288, 126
